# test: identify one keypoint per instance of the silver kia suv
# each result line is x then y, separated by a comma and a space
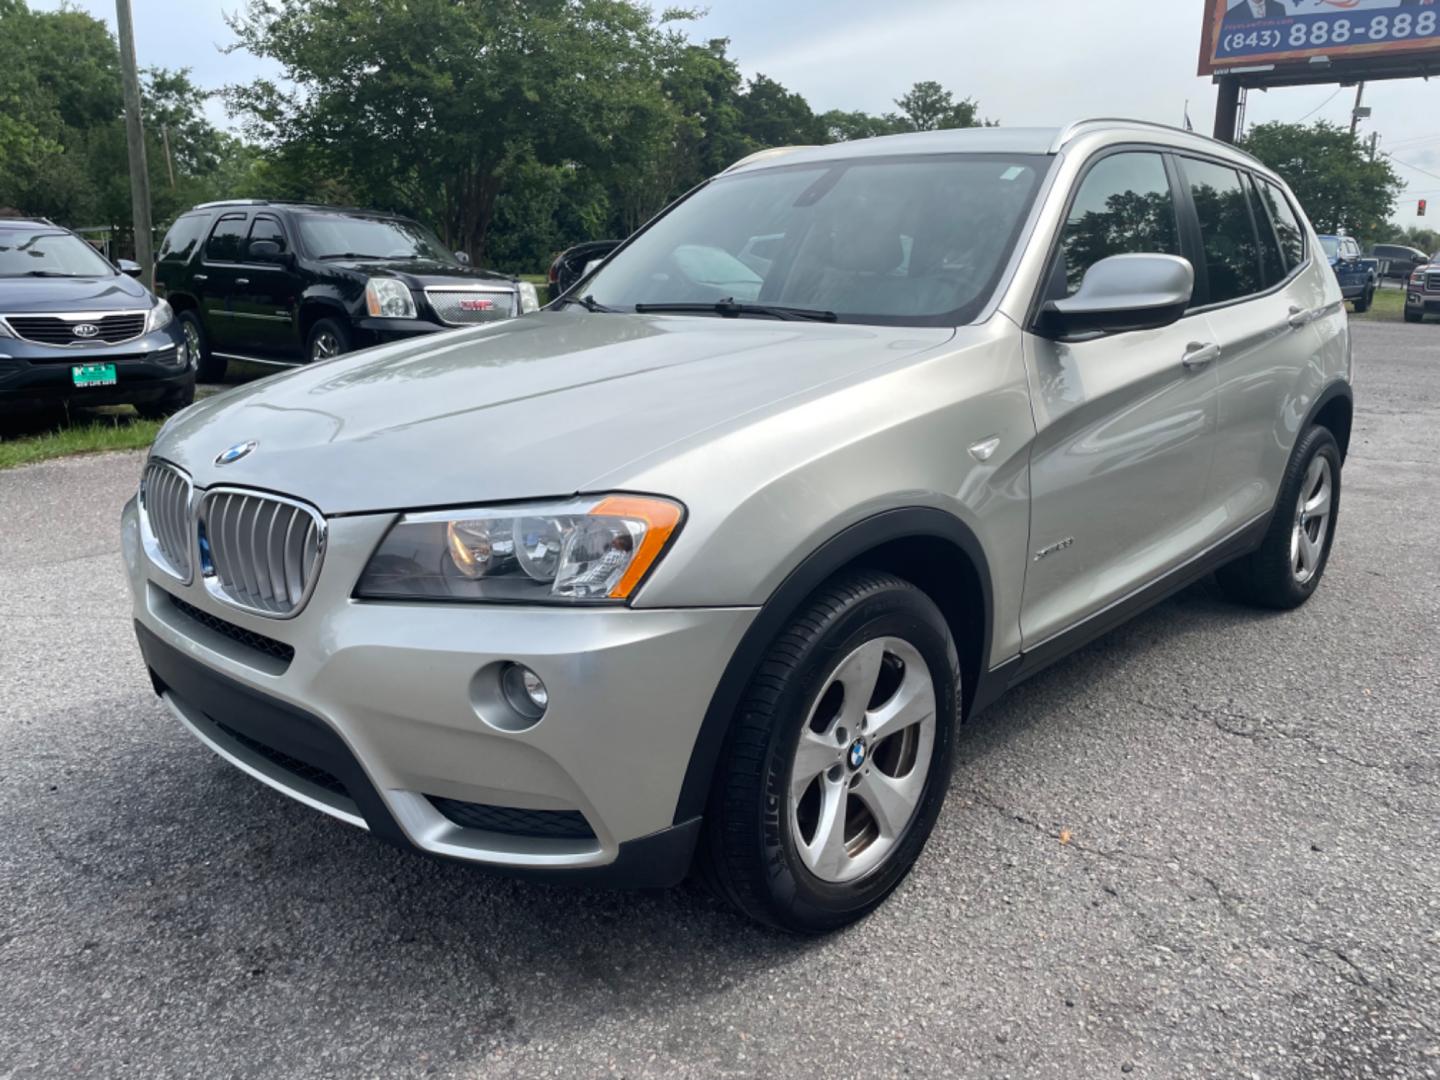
704, 566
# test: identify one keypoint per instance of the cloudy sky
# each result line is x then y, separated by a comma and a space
1024, 61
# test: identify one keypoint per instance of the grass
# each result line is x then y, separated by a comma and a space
1389, 306
92, 433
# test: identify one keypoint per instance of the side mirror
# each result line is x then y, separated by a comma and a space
266, 251
1124, 293
463, 258
129, 267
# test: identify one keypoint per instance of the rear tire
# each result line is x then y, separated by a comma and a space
1286, 569
854, 707
1366, 298
328, 339
208, 366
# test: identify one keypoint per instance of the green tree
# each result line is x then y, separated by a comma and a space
433, 105
1340, 187
928, 106
770, 115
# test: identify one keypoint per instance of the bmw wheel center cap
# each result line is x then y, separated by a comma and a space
858, 753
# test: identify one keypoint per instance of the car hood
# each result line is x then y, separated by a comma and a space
419, 273
72, 294
538, 406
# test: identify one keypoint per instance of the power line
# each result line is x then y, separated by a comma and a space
1407, 165
1322, 105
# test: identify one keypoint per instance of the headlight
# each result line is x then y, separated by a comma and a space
529, 298
590, 550
161, 316
388, 298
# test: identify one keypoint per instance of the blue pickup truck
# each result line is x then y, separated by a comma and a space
1358, 275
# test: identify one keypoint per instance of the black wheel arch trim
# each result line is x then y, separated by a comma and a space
1338, 389
833, 555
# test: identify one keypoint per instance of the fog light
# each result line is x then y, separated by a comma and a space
525, 691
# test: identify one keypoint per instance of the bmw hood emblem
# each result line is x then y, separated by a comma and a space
232, 454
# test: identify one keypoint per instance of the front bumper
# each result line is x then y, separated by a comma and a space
379, 717
1415, 300
146, 369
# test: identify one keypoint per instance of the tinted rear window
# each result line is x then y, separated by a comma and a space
1231, 258
183, 238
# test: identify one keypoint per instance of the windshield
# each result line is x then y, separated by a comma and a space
1331, 245
46, 253
896, 241
330, 236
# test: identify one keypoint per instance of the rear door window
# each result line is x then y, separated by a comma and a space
1227, 232
225, 240
1273, 268
183, 238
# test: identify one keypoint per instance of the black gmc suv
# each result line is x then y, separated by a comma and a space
74, 328
290, 283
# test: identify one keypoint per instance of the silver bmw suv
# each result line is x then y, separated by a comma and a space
704, 565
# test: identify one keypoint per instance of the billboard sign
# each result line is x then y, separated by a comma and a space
1249, 33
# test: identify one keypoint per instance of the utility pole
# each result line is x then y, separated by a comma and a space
169, 161
1355, 112
1374, 143
135, 134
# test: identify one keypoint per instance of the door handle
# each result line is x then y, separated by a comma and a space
200, 277
1300, 317
242, 281
1198, 355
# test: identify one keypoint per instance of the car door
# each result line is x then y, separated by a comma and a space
265, 296
1120, 468
1264, 307
215, 279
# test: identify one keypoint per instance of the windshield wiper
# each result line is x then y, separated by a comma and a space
46, 273
359, 255
731, 309
589, 303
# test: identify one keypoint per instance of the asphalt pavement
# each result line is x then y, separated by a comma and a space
1204, 846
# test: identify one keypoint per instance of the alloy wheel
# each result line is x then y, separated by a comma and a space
324, 346
1312, 520
192, 342
862, 760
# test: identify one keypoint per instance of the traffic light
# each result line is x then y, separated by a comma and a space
1422, 208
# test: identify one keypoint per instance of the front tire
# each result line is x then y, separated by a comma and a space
1286, 569
328, 339
837, 764
1414, 316
208, 366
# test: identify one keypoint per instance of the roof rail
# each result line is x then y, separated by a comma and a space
1077, 127
232, 202
761, 155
